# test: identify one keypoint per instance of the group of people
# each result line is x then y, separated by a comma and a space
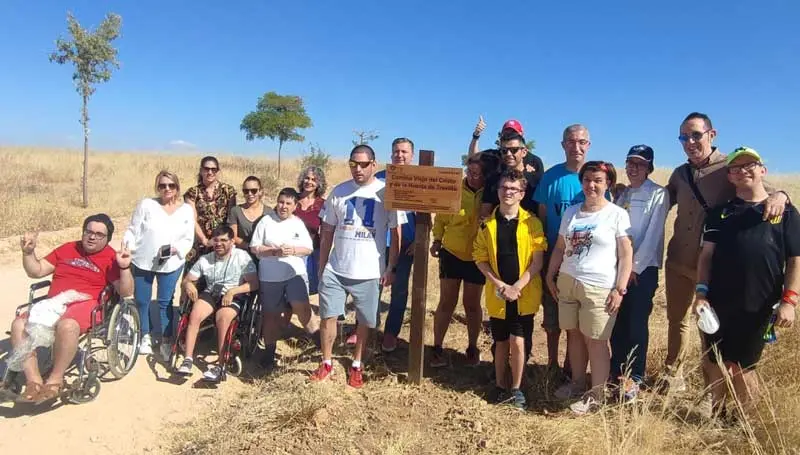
570, 241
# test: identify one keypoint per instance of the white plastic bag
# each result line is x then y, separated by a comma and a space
42, 319
707, 321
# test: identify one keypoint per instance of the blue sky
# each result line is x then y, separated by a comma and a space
629, 70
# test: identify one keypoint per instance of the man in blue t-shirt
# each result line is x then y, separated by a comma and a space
558, 189
402, 153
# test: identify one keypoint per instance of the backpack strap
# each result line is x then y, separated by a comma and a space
693, 185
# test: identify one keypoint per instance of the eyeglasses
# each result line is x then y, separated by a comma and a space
694, 137
167, 186
96, 235
250, 190
212, 170
742, 168
363, 164
512, 150
510, 189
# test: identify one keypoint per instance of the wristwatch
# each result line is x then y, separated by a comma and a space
621, 292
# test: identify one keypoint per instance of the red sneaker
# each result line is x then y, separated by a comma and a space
323, 372
356, 378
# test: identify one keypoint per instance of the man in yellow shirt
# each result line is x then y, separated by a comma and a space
452, 244
509, 250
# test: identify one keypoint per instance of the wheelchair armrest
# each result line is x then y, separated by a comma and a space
40, 285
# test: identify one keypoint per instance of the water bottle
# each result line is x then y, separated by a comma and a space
769, 335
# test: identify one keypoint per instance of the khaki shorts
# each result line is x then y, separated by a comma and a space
583, 306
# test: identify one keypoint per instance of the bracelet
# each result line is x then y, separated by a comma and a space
476, 136
124, 268
701, 288
790, 297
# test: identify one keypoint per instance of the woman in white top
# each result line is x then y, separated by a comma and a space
281, 241
647, 204
592, 259
160, 235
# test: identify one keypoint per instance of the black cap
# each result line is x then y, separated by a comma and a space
642, 151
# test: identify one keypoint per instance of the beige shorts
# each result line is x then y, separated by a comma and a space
583, 306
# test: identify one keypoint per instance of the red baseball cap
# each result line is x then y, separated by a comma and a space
514, 125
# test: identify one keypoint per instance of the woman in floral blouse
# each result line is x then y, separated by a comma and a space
212, 200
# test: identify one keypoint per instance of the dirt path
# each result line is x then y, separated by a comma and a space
128, 415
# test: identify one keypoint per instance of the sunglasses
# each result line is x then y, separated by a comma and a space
512, 150
695, 136
361, 164
250, 190
212, 170
167, 186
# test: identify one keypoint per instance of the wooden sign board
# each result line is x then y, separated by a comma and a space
426, 189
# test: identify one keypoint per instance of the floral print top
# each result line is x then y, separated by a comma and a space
212, 212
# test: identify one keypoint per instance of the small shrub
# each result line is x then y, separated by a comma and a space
315, 156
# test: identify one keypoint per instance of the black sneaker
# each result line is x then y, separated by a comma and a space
438, 358
499, 395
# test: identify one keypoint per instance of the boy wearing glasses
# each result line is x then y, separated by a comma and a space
509, 251
741, 276
352, 248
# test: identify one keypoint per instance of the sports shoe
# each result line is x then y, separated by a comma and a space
323, 372
438, 358
570, 390
473, 356
517, 399
705, 407
213, 373
165, 350
186, 367
352, 339
389, 342
671, 379
586, 405
355, 378
146, 345
629, 390
499, 395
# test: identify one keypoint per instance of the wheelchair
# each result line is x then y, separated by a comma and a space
241, 339
114, 330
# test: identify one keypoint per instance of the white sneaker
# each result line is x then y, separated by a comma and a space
186, 367
165, 349
570, 390
213, 373
146, 345
587, 404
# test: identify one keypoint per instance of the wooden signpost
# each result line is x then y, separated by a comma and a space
424, 189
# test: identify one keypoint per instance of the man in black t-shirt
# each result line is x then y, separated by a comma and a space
741, 277
512, 156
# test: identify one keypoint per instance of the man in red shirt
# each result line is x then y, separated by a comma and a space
85, 266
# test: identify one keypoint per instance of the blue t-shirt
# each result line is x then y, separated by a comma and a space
408, 228
558, 189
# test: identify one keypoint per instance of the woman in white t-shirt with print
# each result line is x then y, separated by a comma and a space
592, 259
281, 242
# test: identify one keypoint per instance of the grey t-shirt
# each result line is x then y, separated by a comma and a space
244, 226
228, 272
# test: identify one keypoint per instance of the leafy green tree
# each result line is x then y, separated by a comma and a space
277, 117
364, 137
94, 58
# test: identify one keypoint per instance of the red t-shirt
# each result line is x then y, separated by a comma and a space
76, 270
311, 218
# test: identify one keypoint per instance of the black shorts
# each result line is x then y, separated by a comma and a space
513, 324
740, 338
454, 268
237, 304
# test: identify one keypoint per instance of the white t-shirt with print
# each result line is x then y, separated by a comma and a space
590, 255
361, 221
273, 232
228, 272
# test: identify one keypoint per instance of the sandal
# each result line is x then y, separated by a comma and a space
31, 393
49, 392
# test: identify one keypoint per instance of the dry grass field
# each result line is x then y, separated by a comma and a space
448, 413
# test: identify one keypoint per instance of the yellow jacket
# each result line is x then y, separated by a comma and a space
456, 232
530, 239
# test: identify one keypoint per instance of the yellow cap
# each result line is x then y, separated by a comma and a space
743, 151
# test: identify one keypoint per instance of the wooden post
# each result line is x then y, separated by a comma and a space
416, 355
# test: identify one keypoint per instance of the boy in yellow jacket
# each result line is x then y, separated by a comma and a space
509, 250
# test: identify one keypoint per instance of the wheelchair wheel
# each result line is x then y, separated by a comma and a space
253, 331
84, 393
123, 338
229, 358
180, 341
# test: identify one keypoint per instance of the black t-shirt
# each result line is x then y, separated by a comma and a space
747, 268
507, 255
534, 169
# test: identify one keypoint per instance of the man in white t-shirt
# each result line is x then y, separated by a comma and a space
230, 275
281, 241
354, 223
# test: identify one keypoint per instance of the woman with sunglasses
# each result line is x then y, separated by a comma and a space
311, 186
160, 236
593, 258
212, 200
244, 217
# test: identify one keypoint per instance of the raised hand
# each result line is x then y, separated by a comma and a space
479, 127
28, 242
124, 257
